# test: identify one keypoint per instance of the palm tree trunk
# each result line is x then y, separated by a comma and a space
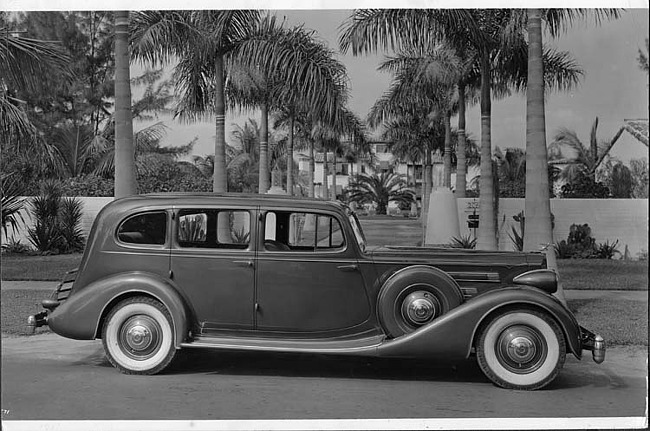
290, 159
486, 238
538, 206
426, 191
447, 154
312, 169
220, 177
325, 193
333, 195
264, 150
125, 182
461, 164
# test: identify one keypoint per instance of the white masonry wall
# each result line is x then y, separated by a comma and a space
625, 220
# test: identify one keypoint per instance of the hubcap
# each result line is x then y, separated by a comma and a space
420, 307
521, 349
140, 337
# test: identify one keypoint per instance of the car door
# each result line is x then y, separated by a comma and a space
212, 261
308, 280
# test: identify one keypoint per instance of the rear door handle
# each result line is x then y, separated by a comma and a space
247, 263
352, 267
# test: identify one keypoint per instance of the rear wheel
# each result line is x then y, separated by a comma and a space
521, 349
138, 336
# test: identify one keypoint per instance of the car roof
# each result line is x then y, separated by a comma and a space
182, 199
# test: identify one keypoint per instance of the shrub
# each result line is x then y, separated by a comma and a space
56, 228
10, 202
579, 244
465, 241
607, 250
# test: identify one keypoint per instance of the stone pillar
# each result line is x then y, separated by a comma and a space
442, 218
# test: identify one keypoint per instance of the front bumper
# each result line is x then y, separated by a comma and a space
593, 342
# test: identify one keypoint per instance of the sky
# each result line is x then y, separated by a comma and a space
613, 88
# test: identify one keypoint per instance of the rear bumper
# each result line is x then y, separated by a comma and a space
593, 342
58, 296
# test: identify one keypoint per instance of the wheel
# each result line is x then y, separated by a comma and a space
414, 297
138, 336
521, 349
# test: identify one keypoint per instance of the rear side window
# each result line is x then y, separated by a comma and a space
148, 228
208, 228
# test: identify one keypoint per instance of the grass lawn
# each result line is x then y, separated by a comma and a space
38, 268
603, 274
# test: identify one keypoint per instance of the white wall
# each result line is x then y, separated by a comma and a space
625, 220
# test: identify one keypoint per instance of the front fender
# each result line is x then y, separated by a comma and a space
79, 316
452, 335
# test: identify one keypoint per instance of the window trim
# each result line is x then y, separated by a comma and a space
120, 242
178, 212
311, 251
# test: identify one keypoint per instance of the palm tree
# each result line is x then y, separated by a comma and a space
125, 183
583, 160
537, 207
482, 30
24, 63
380, 189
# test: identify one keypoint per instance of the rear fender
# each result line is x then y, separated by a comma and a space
80, 316
452, 335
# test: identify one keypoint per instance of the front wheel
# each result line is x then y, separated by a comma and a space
138, 336
521, 349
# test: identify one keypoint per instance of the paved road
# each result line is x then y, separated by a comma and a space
49, 377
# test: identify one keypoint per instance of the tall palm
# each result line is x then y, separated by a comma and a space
297, 71
125, 183
482, 30
537, 206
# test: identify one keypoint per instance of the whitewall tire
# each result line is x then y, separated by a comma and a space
138, 336
521, 349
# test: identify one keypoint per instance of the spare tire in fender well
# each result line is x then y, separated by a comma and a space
414, 296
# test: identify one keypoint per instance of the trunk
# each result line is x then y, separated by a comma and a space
486, 239
325, 193
538, 206
426, 191
264, 150
447, 155
125, 182
290, 159
220, 177
333, 194
312, 168
461, 164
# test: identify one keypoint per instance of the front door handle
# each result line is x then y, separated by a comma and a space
352, 267
247, 263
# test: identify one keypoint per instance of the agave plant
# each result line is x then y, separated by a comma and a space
11, 203
380, 189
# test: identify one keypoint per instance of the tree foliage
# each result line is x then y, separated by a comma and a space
380, 190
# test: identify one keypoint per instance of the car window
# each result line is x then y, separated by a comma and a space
209, 228
302, 232
148, 228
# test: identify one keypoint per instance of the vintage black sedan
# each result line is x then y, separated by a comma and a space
271, 273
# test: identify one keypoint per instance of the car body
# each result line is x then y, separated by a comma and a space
272, 273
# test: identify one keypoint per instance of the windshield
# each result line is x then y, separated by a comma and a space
358, 232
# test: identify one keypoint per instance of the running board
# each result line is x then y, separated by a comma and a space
275, 345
